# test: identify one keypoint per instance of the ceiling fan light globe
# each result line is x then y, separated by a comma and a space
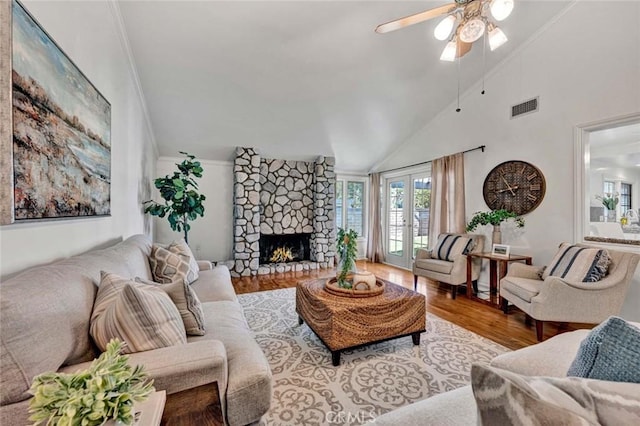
501, 9
472, 30
449, 52
443, 29
496, 38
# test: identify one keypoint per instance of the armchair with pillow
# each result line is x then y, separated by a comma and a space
582, 284
447, 262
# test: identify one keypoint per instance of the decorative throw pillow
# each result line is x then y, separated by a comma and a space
450, 246
506, 398
173, 263
141, 315
611, 351
578, 264
187, 302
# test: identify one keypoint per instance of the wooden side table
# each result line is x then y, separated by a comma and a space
150, 411
498, 266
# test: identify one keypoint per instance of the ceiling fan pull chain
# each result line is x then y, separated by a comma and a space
484, 61
458, 67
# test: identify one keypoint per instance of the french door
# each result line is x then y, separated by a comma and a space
407, 200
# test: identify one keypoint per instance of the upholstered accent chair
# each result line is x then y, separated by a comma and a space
454, 273
556, 299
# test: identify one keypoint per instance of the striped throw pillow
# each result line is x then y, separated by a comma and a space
450, 246
173, 263
187, 302
141, 315
578, 264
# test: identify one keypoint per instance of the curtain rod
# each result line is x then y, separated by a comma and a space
481, 147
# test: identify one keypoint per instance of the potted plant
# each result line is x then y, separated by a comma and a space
105, 392
610, 202
495, 218
347, 248
182, 203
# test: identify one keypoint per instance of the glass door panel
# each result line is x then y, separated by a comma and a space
407, 201
421, 199
396, 232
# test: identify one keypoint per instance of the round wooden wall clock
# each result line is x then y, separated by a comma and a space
515, 185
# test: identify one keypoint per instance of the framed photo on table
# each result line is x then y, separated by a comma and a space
501, 250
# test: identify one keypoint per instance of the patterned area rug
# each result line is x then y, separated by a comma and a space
370, 381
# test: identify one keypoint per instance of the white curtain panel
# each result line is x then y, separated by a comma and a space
375, 251
447, 197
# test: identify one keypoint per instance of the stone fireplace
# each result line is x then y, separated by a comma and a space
282, 198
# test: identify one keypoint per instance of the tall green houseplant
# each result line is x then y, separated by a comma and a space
182, 202
347, 248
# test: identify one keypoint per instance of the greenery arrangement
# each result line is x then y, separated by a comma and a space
347, 248
494, 217
609, 200
182, 203
105, 391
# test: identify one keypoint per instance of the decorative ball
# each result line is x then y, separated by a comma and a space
364, 281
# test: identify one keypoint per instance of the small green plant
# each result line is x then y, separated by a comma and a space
494, 217
105, 391
182, 203
347, 248
609, 200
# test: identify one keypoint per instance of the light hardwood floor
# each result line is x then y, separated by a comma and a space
510, 330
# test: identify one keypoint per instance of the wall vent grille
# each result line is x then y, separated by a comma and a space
525, 107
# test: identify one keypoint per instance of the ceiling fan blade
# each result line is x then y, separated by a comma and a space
415, 19
462, 48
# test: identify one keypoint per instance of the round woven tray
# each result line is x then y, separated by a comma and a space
331, 286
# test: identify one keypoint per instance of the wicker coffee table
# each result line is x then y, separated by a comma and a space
344, 323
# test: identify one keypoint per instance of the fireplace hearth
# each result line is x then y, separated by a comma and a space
297, 245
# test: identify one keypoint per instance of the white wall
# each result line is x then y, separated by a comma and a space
211, 236
584, 67
89, 32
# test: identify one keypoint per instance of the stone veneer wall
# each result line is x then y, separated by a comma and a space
324, 224
282, 197
246, 205
286, 198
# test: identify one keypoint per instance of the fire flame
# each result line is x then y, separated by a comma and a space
281, 254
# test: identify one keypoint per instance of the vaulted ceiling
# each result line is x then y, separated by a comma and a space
297, 79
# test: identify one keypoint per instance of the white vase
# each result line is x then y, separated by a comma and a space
496, 237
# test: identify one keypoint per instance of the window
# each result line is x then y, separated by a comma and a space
625, 197
339, 198
609, 188
350, 205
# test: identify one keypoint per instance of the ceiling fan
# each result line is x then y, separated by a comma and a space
472, 18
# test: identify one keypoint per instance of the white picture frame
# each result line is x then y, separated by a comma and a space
502, 250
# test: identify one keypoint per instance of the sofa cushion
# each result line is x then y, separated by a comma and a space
449, 246
578, 264
525, 288
549, 358
215, 285
453, 408
249, 385
504, 397
174, 262
611, 352
142, 316
441, 266
187, 302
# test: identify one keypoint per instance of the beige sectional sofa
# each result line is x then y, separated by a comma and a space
551, 358
45, 313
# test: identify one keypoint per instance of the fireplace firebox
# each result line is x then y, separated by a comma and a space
297, 247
